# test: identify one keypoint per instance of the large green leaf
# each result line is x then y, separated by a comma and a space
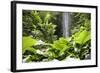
62, 45
82, 37
27, 43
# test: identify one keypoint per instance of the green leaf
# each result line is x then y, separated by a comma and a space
29, 49
82, 37
27, 59
36, 17
47, 17
61, 44
27, 44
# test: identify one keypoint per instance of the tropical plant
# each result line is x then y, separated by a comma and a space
41, 43
40, 28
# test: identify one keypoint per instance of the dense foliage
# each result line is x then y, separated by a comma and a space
42, 42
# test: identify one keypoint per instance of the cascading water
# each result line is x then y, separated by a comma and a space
65, 23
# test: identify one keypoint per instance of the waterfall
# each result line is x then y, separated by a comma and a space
65, 23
